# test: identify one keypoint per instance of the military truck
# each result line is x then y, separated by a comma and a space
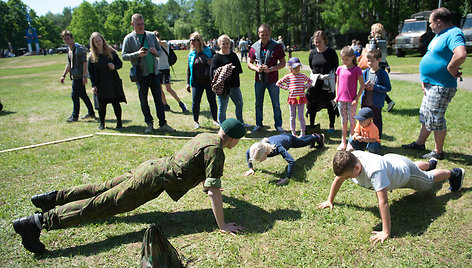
414, 34
467, 30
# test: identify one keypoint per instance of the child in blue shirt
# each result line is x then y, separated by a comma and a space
376, 87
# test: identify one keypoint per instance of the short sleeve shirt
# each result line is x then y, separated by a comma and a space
347, 82
433, 65
381, 172
369, 132
277, 55
200, 160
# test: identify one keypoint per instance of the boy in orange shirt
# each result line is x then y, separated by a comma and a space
366, 133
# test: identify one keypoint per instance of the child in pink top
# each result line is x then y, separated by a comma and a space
296, 83
347, 77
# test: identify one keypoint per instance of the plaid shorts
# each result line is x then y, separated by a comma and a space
434, 105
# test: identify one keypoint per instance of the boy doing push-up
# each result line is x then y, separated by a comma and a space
385, 173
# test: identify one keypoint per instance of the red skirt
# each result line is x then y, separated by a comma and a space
297, 100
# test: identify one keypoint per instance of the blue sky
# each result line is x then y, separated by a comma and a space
56, 6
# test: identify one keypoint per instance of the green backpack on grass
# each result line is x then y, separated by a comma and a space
157, 251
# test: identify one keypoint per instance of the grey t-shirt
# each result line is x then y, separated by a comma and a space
381, 172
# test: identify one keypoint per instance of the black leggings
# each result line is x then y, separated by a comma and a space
102, 111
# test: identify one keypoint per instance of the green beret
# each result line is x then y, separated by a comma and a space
233, 128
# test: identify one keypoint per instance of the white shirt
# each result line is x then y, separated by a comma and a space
381, 172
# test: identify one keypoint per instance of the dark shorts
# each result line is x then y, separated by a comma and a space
164, 76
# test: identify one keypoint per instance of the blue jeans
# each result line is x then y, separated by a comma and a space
373, 147
237, 98
151, 82
197, 93
303, 141
78, 92
274, 96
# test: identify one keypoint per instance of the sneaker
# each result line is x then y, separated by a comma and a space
247, 125
433, 162
196, 125
280, 130
166, 107
72, 119
282, 181
294, 133
183, 107
166, 128
119, 125
149, 128
331, 130
456, 179
101, 127
45, 201
256, 128
415, 146
88, 116
390, 106
433, 154
28, 228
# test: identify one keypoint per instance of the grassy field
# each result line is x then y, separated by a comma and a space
282, 226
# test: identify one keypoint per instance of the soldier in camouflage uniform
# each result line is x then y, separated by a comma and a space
200, 160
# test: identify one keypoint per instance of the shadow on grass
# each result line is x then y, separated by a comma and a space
253, 218
412, 214
405, 112
457, 158
3, 113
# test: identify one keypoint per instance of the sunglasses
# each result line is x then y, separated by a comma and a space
193, 39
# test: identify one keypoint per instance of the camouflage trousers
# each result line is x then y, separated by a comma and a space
94, 201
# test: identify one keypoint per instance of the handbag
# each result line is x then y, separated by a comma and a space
135, 71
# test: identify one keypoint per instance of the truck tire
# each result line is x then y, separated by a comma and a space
400, 53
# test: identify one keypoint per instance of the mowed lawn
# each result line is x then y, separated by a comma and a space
282, 226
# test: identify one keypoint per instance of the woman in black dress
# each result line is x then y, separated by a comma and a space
103, 64
323, 63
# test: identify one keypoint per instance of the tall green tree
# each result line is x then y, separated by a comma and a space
49, 31
84, 23
61, 20
116, 27
14, 28
203, 19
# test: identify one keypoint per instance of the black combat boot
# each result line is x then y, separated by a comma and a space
45, 202
30, 228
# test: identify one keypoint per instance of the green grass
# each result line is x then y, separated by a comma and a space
283, 228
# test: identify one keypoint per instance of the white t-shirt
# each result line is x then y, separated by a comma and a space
163, 59
382, 172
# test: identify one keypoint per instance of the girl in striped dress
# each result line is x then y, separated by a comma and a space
296, 83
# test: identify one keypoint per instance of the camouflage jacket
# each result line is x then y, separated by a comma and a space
201, 159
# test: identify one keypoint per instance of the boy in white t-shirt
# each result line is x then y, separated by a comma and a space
385, 173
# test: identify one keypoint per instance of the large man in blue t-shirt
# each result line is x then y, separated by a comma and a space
439, 70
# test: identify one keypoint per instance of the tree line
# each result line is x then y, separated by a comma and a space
294, 20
